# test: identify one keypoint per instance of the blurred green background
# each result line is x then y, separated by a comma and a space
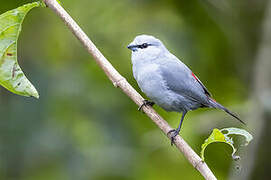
84, 128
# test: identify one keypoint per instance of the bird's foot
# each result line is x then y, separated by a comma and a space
172, 134
145, 103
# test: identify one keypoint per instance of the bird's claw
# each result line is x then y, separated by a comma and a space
145, 103
172, 134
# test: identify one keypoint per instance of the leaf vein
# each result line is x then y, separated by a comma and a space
7, 27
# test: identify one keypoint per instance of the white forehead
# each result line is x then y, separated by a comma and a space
146, 39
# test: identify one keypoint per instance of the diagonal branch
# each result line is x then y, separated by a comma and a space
120, 81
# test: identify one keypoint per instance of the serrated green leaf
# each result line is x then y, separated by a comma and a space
11, 75
237, 131
218, 136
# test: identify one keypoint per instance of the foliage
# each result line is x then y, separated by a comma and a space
84, 128
11, 75
223, 136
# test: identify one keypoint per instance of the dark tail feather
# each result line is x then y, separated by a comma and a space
215, 104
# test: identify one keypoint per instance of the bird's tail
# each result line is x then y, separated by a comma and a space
215, 104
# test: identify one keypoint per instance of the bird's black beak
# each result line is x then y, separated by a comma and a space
132, 47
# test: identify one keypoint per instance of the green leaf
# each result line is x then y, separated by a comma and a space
59, 2
237, 131
42, 4
223, 136
11, 75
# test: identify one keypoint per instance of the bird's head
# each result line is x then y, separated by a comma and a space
145, 46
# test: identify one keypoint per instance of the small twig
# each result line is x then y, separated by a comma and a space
121, 82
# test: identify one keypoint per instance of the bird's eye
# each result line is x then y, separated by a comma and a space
144, 45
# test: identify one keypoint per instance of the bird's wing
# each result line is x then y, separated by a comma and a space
202, 85
180, 79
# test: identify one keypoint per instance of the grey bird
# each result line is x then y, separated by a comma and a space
167, 81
